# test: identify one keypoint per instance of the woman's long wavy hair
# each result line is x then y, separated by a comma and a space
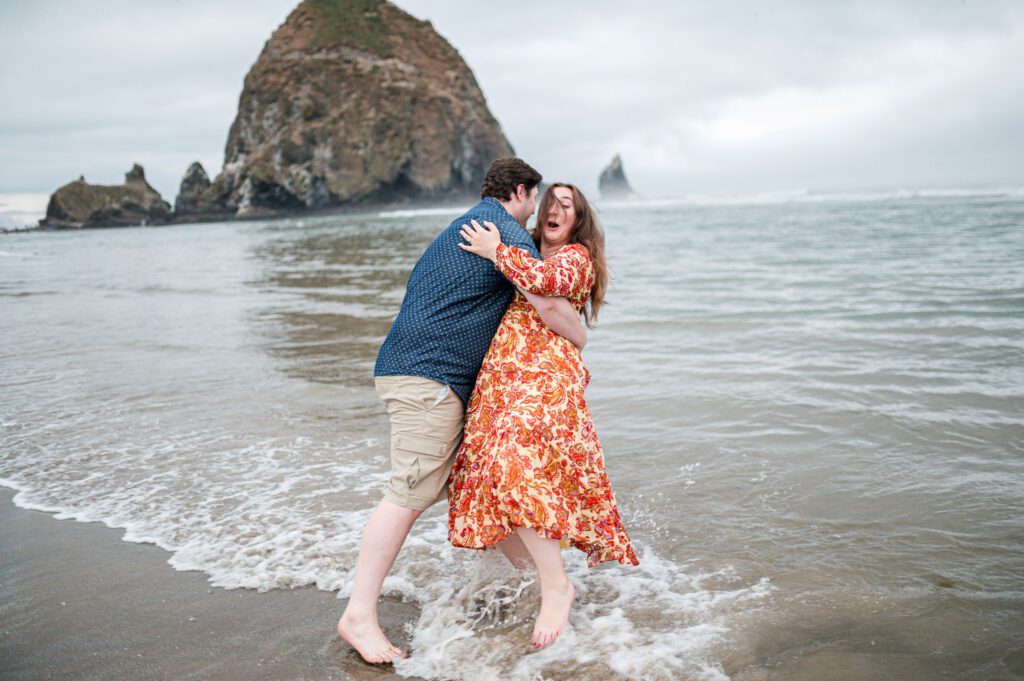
586, 231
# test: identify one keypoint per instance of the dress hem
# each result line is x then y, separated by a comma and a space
596, 557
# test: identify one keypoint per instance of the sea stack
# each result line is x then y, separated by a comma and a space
354, 101
613, 183
79, 204
196, 201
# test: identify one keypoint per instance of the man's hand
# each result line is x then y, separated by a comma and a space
483, 241
561, 317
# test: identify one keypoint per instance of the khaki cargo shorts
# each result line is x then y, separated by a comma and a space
426, 428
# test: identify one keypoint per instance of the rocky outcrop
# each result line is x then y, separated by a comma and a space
613, 183
355, 100
196, 200
79, 204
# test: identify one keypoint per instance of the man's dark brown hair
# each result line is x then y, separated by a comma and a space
505, 174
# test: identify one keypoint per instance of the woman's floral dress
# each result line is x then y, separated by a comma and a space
530, 455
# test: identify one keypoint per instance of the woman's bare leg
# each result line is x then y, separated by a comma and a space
514, 549
557, 592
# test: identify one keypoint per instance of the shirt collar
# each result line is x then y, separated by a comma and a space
491, 201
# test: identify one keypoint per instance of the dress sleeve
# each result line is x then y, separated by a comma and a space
514, 235
560, 275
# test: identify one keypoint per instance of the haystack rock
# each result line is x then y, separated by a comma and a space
196, 201
79, 204
355, 100
613, 183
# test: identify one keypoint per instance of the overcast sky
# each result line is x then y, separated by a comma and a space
698, 97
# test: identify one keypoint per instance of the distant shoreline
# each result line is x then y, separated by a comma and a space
354, 209
785, 197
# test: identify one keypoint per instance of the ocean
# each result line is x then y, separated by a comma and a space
811, 407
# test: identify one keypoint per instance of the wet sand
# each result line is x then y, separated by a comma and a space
77, 602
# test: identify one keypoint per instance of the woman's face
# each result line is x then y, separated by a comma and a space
561, 219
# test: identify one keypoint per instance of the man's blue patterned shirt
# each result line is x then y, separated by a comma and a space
453, 304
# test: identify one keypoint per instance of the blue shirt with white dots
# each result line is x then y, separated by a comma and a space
453, 304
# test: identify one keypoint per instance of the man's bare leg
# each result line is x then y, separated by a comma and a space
383, 536
557, 592
515, 551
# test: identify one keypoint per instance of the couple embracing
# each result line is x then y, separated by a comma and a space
483, 381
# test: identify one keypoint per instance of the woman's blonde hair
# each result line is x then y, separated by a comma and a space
586, 231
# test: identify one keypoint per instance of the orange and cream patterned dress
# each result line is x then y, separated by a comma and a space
530, 455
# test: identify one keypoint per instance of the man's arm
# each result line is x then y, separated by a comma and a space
561, 317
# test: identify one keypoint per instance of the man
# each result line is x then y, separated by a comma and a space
425, 373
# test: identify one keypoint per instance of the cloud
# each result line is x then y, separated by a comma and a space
698, 97
93, 87
723, 98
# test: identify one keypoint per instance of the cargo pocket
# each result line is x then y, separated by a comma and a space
421, 457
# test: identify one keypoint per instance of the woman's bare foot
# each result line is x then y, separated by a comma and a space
365, 636
554, 614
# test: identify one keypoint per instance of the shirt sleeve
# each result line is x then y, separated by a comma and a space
562, 274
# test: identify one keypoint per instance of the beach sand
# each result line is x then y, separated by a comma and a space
77, 602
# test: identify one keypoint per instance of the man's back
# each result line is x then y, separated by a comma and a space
453, 304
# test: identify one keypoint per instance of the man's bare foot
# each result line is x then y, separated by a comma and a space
365, 636
554, 614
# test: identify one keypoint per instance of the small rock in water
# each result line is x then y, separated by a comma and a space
613, 183
79, 204
196, 200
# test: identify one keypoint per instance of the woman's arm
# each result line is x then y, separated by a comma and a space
559, 315
559, 275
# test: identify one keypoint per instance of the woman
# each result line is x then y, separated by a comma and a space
530, 473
